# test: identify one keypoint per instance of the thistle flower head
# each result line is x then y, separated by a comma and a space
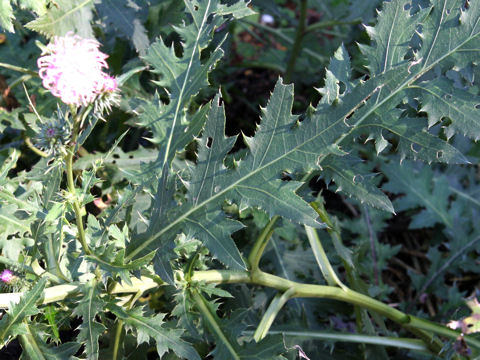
6, 276
72, 69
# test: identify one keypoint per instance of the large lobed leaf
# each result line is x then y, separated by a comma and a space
281, 144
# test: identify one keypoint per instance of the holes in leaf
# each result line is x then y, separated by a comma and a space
477, 106
130, 156
415, 148
217, 189
357, 179
447, 97
209, 142
286, 176
195, 8
439, 154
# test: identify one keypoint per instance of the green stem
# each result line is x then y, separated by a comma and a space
269, 317
29, 343
213, 321
32, 147
53, 264
71, 184
322, 260
406, 343
260, 244
120, 323
19, 69
75, 202
329, 23
417, 326
118, 337
280, 35
297, 44
61, 292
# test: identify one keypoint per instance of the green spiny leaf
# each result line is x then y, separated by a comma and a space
65, 16
441, 99
339, 70
6, 10
35, 348
280, 144
11, 324
113, 262
413, 140
420, 191
391, 35
450, 34
123, 15
88, 308
6, 15
350, 178
185, 76
154, 327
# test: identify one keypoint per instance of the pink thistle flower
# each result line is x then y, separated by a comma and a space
6, 276
72, 69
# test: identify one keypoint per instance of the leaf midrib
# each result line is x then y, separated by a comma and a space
69, 12
182, 90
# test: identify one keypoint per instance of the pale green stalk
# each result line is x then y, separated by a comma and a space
71, 183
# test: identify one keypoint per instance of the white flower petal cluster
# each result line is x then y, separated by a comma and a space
72, 69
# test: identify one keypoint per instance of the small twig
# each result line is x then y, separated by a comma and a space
32, 147
297, 44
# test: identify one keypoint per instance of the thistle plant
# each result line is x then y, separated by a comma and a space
191, 256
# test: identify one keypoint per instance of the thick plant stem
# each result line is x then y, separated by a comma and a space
260, 244
71, 184
419, 327
119, 328
118, 337
75, 202
297, 45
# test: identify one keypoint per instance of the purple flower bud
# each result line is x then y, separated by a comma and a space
6, 276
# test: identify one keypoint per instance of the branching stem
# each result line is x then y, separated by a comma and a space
260, 244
